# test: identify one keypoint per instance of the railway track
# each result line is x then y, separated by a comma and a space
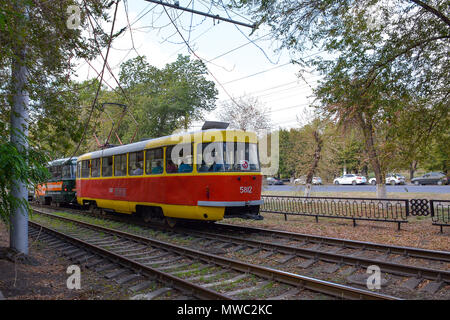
138, 262
408, 268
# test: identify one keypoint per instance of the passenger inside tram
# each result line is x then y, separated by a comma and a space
158, 169
186, 164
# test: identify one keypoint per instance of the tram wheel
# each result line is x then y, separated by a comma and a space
147, 217
171, 222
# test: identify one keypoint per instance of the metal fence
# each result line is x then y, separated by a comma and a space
386, 210
440, 212
371, 209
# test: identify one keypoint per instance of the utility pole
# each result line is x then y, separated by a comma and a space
19, 136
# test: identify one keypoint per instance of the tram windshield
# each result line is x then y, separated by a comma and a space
68, 171
227, 157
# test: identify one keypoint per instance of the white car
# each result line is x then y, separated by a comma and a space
350, 179
302, 180
391, 178
395, 178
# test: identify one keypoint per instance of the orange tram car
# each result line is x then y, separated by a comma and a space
206, 175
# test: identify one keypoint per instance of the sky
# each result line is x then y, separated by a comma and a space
239, 63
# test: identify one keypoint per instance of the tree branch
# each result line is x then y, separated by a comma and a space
404, 51
434, 11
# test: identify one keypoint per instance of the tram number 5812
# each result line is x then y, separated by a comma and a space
245, 189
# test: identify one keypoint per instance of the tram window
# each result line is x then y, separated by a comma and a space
179, 158
107, 166
95, 166
67, 172
120, 165
227, 156
78, 169
154, 161
85, 169
136, 163
57, 172
210, 157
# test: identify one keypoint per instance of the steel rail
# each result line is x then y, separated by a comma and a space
325, 287
177, 283
346, 243
351, 244
388, 267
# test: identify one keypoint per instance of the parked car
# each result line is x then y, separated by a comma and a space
395, 178
391, 178
302, 180
350, 179
431, 178
274, 181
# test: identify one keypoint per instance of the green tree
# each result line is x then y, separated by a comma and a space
439, 157
26, 166
286, 166
163, 100
420, 135
382, 56
37, 50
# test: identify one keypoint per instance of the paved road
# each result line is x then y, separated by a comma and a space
362, 188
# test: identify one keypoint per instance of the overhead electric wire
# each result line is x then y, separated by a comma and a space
193, 52
275, 87
254, 74
261, 49
288, 108
270, 69
125, 4
204, 32
239, 47
94, 102
175, 6
298, 86
104, 59
174, 33
139, 18
275, 92
190, 26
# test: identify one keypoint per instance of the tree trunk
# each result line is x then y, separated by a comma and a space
412, 169
19, 135
367, 129
365, 170
381, 190
307, 190
315, 162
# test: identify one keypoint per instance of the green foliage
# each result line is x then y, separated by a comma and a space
27, 167
34, 34
286, 167
439, 154
166, 99
382, 58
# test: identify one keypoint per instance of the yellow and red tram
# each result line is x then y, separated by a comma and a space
205, 175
